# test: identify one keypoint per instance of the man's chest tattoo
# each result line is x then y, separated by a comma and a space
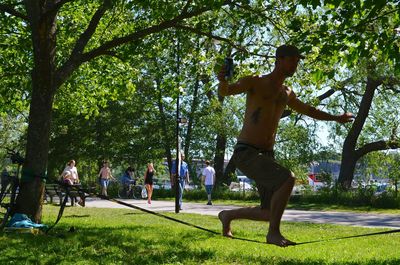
255, 116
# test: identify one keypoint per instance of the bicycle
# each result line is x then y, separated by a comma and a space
129, 191
11, 189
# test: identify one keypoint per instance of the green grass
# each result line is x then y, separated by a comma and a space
123, 236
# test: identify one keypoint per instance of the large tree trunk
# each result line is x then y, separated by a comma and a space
347, 168
29, 200
219, 160
230, 171
350, 155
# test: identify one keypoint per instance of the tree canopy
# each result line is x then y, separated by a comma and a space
101, 79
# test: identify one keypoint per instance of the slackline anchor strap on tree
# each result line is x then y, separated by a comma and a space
28, 175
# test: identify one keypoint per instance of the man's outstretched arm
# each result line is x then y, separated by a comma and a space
312, 112
226, 89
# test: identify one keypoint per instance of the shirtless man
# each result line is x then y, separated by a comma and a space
266, 100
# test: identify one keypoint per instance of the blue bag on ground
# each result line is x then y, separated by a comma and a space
20, 220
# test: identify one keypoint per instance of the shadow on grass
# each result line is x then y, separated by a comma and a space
76, 216
134, 213
101, 246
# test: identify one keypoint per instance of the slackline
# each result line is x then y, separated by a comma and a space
202, 228
240, 238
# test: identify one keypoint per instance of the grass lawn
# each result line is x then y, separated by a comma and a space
124, 236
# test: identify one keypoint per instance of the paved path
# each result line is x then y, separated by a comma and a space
341, 218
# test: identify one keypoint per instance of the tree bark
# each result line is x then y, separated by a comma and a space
43, 26
350, 155
219, 160
229, 172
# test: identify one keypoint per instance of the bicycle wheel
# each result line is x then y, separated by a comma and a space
9, 207
4, 202
121, 192
137, 191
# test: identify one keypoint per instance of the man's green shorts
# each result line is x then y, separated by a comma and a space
260, 165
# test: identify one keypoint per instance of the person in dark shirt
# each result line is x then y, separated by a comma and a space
148, 181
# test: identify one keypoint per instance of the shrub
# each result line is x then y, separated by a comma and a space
357, 197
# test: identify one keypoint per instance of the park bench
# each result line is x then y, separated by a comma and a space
54, 189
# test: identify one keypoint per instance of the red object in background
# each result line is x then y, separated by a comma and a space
313, 177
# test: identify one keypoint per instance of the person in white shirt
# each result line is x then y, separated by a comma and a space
70, 177
208, 180
70, 173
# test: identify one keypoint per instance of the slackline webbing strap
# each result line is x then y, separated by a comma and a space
240, 238
159, 214
212, 231
62, 207
347, 237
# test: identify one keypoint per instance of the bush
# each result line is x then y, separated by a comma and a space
220, 193
386, 200
358, 197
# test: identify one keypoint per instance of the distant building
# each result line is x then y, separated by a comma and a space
324, 167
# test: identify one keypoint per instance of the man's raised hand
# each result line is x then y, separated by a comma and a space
346, 117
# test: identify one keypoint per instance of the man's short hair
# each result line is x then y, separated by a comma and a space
207, 162
288, 51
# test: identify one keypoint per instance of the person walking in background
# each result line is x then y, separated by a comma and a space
183, 177
266, 99
148, 181
70, 177
105, 176
208, 180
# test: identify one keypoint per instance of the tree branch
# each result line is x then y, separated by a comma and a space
10, 10
58, 5
77, 57
377, 146
140, 34
370, 20
186, 7
327, 94
88, 33
363, 111
215, 37
76, 54
282, 32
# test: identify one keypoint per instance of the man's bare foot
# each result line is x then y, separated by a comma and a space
278, 240
226, 224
